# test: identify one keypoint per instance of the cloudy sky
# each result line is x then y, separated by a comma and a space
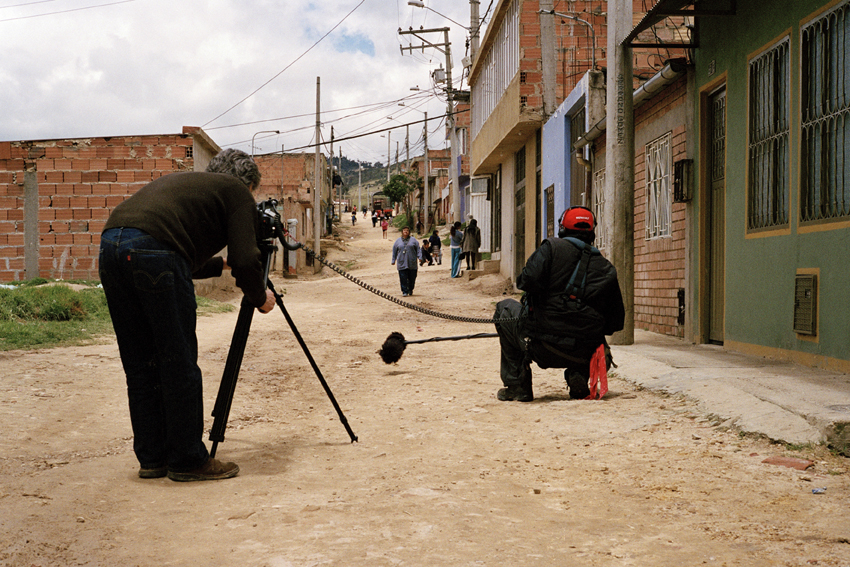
85, 68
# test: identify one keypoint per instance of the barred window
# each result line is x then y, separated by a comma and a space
659, 206
825, 120
599, 209
769, 92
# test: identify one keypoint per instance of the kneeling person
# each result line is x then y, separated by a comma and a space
572, 301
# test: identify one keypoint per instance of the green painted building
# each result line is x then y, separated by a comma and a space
770, 237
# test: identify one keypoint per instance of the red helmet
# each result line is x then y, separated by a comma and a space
578, 218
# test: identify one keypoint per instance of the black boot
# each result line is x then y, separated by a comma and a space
515, 393
577, 385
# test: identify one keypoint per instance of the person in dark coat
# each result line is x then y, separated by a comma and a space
559, 326
436, 247
470, 243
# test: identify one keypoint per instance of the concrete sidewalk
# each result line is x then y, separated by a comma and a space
781, 400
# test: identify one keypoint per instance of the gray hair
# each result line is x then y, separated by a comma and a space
238, 164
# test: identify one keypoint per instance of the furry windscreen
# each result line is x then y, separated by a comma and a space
393, 348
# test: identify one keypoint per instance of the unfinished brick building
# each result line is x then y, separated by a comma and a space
288, 178
55, 195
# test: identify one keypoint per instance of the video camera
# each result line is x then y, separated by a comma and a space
270, 227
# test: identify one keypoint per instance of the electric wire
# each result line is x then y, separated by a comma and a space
61, 11
318, 41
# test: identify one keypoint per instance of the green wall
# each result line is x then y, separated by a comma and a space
760, 271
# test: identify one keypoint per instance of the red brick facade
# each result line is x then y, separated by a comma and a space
660, 262
74, 185
289, 179
574, 50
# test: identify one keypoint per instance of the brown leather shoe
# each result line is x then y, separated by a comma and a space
213, 469
153, 472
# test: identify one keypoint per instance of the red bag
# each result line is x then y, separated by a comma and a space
598, 375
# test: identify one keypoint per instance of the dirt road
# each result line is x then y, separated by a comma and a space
443, 473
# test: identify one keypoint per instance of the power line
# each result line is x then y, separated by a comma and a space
62, 11
288, 66
27, 4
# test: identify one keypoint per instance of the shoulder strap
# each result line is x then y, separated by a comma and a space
575, 287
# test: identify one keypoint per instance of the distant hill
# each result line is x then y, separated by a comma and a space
373, 177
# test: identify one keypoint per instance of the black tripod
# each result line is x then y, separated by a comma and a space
272, 228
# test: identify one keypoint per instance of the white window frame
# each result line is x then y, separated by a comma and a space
500, 66
659, 187
598, 208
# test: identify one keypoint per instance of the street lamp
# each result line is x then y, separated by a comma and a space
421, 4
263, 132
389, 134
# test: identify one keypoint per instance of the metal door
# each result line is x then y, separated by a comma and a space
717, 217
519, 233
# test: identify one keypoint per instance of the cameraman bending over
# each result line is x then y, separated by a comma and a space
152, 246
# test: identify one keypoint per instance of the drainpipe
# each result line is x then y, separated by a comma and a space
674, 69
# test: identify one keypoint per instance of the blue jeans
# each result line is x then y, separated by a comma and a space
407, 279
151, 301
455, 262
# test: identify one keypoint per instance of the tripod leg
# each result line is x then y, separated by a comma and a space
279, 301
224, 400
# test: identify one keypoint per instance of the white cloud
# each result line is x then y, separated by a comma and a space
154, 66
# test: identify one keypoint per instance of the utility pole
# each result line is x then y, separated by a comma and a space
427, 184
446, 48
389, 158
620, 160
359, 187
547, 49
333, 186
474, 31
317, 184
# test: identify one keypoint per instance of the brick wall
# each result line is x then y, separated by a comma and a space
75, 184
660, 262
288, 178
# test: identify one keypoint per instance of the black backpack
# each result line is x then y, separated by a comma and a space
584, 325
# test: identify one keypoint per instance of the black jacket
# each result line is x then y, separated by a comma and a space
553, 316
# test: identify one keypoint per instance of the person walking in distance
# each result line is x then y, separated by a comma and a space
470, 243
407, 254
384, 226
456, 236
572, 301
436, 247
152, 246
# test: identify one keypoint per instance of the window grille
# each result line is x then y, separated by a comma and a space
769, 92
825, 120
500, 66
659, 208
519, 161
599, 209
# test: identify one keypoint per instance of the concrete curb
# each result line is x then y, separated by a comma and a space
783, 401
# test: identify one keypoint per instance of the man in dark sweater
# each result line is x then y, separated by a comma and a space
152, 246
559, 325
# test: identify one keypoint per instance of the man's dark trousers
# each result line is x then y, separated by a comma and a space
407, 280
518, 353
151, 299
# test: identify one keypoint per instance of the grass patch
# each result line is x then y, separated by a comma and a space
208, 306
33, 315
